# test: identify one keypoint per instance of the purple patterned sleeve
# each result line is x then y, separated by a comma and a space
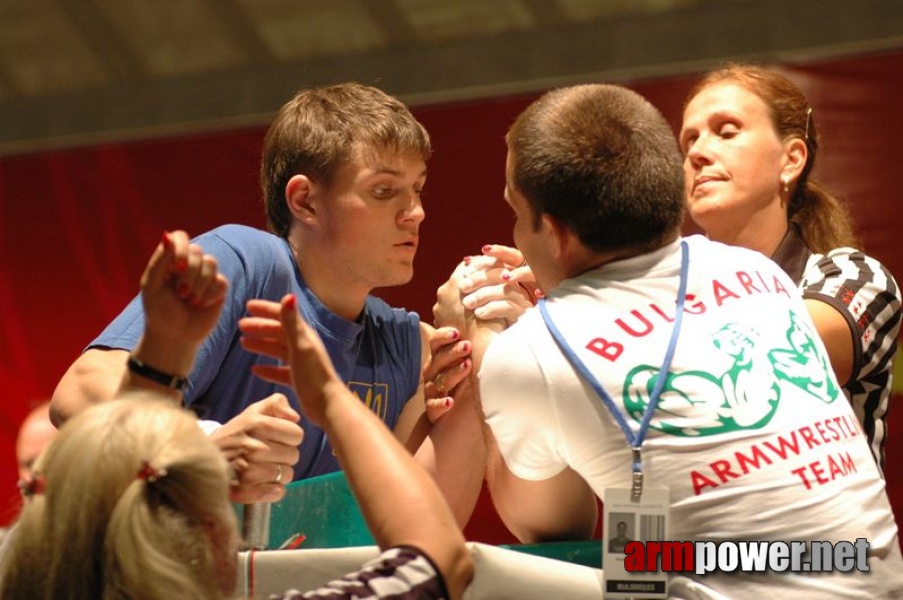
400, 573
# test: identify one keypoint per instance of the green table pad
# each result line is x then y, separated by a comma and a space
325, 512
587, 553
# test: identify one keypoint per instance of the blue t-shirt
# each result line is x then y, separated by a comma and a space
378, 355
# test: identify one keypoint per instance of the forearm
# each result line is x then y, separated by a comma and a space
167, 356
559, 508
399, 500
456, 454
497, 474
100, 375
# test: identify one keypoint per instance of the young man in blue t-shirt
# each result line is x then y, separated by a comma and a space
342, 172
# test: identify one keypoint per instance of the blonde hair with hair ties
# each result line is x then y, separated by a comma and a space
102, 529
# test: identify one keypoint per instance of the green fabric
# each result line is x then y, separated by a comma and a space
586, 553
326, 513
322, 509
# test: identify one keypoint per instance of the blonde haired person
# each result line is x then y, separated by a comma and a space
131, 500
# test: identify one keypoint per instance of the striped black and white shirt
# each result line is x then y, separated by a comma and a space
866, 294
400, 573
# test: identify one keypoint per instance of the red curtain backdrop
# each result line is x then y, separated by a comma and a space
78, 224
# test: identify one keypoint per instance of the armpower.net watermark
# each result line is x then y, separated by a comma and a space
746, 557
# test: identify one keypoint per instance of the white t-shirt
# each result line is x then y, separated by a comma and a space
752, 434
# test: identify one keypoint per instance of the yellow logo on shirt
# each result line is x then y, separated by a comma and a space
374, 395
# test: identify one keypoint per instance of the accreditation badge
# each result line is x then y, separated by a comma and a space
633, 532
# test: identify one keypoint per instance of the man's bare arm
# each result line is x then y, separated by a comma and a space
94, 377
562, 507
182, 295
452, 451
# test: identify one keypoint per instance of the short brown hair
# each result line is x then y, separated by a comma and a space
319, 130
602, 161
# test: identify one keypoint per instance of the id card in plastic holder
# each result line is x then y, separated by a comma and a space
630, 566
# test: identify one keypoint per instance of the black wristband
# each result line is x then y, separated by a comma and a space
173, 382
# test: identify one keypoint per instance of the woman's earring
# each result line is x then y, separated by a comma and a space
786, 183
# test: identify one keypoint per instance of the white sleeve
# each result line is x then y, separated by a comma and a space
208, 426
519, 407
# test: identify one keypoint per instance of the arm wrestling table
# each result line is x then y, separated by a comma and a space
336, 542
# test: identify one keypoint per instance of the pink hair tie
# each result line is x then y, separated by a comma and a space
31, 485
149, 473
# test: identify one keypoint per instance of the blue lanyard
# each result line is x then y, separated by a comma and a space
635, 440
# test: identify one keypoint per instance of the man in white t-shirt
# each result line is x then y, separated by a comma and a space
748, 434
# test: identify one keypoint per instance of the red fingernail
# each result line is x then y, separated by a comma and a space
448, 402
466, 261
465, 346
487, 248
538, 293
506, 276
181, 265
291, 302
465, 364
455, 334
167, 243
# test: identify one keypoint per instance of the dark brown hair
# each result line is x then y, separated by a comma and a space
603, 162
822, 218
